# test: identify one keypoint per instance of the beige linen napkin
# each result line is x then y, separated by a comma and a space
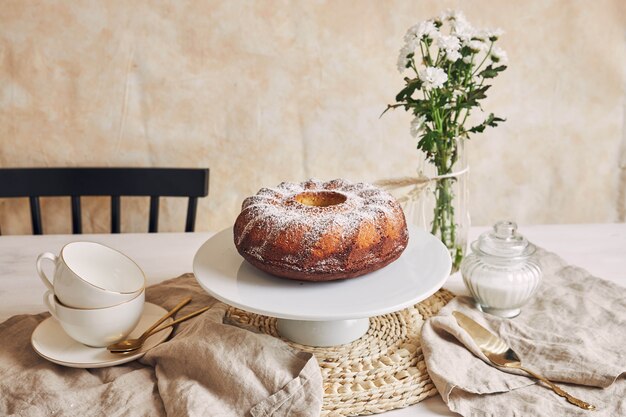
572, 331
207, 369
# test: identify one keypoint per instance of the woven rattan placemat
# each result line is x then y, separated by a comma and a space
381, 371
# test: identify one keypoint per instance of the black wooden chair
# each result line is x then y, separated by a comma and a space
114, 182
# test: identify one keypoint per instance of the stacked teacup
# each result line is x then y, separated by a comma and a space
97, 294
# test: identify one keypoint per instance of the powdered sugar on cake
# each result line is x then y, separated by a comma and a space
275, 212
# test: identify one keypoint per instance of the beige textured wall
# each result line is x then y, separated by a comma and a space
266, 91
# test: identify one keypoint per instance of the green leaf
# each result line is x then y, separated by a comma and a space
491, 72
420, 107
488, 72
491, 120
428, 142
477, 129
408, 91
471, 100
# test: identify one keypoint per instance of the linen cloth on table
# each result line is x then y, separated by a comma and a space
573, 332
206, 368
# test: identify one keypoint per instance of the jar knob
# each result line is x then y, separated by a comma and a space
505, 229
503, 241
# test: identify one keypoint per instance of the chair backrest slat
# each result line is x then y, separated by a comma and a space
192, 208
115, 214
77, 224
153, 225
35, 215
113, 182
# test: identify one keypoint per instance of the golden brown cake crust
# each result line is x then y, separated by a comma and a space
320, 231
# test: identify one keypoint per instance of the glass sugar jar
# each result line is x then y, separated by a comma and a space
501, 272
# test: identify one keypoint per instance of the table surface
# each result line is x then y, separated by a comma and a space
599, 248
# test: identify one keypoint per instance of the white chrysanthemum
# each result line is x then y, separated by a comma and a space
482, 35
450, 45
451, 15
453, 56
426, 28
494, 34
468, 59
412, 38
477, 46
499, 55
461, 27
417, 125
448, 42
432, 77
445, 15
403, 61
488, 34
464, 31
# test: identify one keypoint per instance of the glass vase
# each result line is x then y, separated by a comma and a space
439, 204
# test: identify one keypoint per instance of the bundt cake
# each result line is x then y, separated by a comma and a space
320, 231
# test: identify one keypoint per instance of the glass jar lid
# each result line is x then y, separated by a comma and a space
503, 241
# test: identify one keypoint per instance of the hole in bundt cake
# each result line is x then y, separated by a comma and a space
320, 198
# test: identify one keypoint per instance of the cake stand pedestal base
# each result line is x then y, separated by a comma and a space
322, 333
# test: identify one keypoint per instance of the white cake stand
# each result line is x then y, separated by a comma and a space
323, 313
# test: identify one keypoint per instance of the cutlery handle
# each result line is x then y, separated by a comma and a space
165, 317
580, 403
187, 317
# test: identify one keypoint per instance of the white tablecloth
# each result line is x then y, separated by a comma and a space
601, 249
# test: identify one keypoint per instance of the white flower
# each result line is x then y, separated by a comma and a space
459, 25
477, 46
448, 42
426, 28
444, 16
494, 34
432, 77
468, 59
450, 45
489, 34
412, 38
450, 14
463, 30
482, 35
499, 55
453, 55
417, 125
403, 61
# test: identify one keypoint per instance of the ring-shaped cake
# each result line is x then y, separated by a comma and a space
320, 231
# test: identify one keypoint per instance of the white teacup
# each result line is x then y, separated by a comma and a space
97, 327
91, 275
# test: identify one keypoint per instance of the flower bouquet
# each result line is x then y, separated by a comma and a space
450, 64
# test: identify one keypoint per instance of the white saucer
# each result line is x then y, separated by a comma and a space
52, 343
420, 271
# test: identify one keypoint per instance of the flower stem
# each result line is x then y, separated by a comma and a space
444, 224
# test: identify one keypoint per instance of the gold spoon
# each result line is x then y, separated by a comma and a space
130, 345
500, 354
146, 334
